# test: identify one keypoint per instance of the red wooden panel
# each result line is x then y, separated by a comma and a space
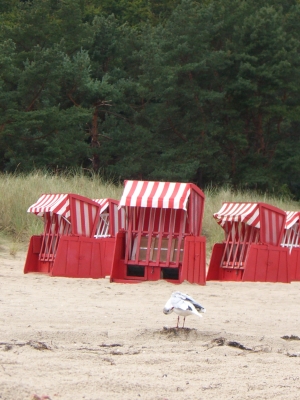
72, 257
152, 273
262, 264
36, 243
255, 264
229, 274
188, 259
294, 264
44, 266
266, 264
66, 257
193, 266
194, 260
85, 251
283, 266
106, 249
118, 263
79, 257
297, 263
214, 268
31, 263
273, 272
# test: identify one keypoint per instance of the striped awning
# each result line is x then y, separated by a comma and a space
292, 217
81, 212
53, 203
239, 212
155, 194
104, 203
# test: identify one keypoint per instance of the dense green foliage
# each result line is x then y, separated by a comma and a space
201, 91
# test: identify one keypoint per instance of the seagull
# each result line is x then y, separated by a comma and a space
183, 305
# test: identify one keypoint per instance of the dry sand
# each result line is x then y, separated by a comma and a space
92, 339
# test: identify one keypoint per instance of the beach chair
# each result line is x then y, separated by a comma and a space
69, 245
161, 238
251, 250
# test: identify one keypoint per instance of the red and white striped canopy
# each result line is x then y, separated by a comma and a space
81, 212
292, 217
104, 203
155, 194
54, 203
239, 212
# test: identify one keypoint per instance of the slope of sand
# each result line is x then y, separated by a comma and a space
90, 339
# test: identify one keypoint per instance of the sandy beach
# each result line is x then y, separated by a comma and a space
64, 338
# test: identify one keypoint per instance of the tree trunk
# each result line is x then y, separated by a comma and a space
94, 141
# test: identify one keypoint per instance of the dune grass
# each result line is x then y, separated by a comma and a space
18, 192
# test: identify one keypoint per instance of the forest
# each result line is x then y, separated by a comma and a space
203, 91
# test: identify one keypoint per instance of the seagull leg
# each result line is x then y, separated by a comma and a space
183, 322
177, 321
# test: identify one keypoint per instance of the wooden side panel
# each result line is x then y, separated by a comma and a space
267, 264
214, 268
294, 264
194, 260
79, 257
32, 258
118, 261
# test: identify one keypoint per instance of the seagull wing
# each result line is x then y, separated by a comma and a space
179, 298
179, 301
